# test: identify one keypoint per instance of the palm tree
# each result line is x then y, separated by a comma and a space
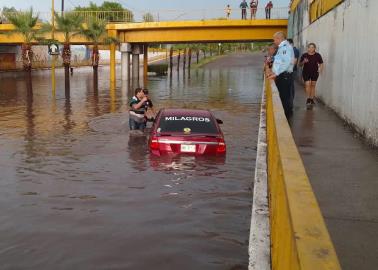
69, 24
25, 25
95, 31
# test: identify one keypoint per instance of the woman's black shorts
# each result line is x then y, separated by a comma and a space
310, 76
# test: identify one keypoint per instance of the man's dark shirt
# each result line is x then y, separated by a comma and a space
296, 56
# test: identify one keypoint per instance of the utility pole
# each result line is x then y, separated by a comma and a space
62, 6
53, 56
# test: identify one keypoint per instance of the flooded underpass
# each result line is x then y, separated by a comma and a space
77, 192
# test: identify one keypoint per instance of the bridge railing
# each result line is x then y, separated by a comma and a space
167, 15
210, 14
299, 237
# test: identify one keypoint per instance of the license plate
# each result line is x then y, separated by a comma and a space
188, 148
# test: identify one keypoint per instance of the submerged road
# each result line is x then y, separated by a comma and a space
77, 192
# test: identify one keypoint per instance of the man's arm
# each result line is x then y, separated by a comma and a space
301, 61
137, 106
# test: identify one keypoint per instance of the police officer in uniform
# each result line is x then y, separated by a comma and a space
282, 71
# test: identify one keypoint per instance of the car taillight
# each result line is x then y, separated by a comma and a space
154, 144
221, 147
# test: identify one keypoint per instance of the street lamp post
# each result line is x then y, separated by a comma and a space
53, 56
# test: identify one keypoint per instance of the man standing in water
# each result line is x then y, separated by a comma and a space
137, 120
282, 71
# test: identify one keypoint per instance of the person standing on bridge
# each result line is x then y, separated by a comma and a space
253, 5
282, 71
268, 9
312, 63
228, 11
244, 7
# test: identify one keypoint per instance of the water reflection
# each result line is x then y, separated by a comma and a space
68, 123
29, 115
208, 165
137, 151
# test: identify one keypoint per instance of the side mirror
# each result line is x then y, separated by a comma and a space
219, 121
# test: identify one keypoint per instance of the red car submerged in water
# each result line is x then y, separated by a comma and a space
185, 131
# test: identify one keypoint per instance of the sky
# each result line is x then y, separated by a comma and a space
137, 5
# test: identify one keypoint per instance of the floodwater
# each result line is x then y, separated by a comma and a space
77, 192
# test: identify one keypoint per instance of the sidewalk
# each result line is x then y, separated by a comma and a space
344, 174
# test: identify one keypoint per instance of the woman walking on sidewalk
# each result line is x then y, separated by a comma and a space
312, 63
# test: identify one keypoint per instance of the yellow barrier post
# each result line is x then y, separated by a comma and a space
112, 63
112, 33
299, 236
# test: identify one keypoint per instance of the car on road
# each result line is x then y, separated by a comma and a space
186, 131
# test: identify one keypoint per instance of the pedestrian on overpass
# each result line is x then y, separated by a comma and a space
282, 71
312, 63
228, 11
244, 7
268, 9
253, 5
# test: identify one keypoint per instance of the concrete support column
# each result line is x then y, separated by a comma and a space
135, 66
136, 51
125, 49
145, 64
112, 63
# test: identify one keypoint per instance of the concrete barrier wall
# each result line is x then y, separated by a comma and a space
346, 37
299, 237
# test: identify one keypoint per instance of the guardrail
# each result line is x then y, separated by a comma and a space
211, 14
299, 237
166, 15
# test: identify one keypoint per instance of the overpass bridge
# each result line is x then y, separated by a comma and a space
135, 37
173, 32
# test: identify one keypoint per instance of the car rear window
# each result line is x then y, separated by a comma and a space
187, 124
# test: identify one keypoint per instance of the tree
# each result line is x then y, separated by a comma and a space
113, 11
95, 31
69, 24
148, 17
25, 24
